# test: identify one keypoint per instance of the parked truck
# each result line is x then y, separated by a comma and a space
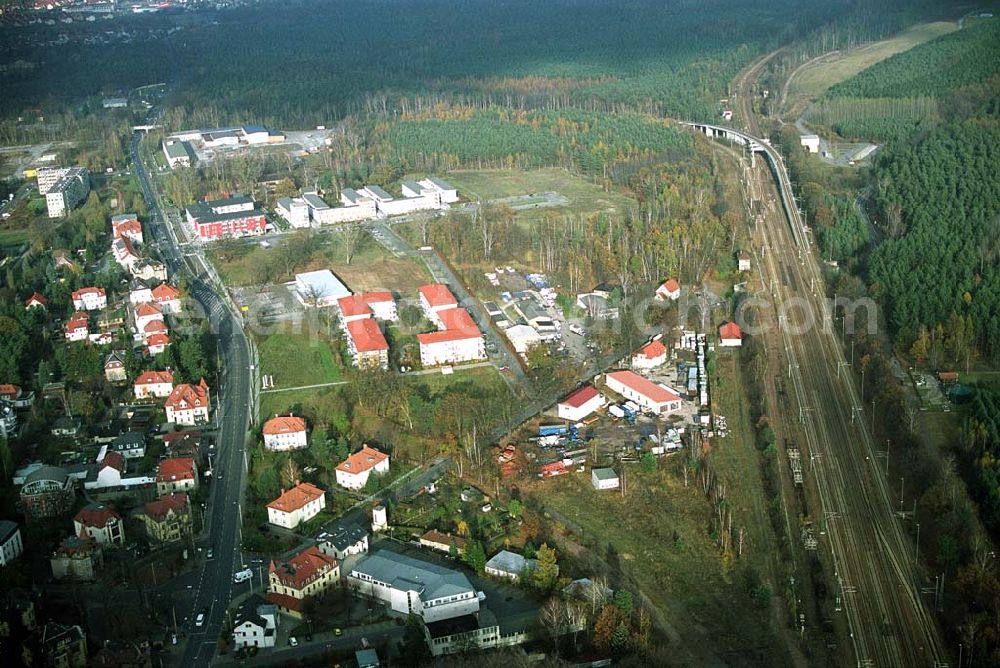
616, 411
552, 429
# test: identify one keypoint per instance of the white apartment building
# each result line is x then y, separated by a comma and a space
353, 472
296, 505
89, 299
285, 433
71, 189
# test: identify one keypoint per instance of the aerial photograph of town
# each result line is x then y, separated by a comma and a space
500, 333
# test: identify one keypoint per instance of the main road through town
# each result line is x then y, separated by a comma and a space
214, 585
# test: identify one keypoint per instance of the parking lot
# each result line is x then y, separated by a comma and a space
270, 304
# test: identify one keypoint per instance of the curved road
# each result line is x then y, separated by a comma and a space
214, 587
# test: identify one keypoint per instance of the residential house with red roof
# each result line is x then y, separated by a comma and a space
114, 367
652, 396
188, 404
77, 559
367, 345
580, 403
36, 300
650, 356
176, 475
99, 522
124, 253
78, 326
127, 226
157, 343
435, 298
111, 470
151, 329
730, 335
296, 505
459, 340
378, 305
167, 297
159, 384
293, 581
353, 472
145, 313
90, 299
285, 432
669, 291
168, 518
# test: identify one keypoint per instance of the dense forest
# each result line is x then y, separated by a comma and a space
302, 63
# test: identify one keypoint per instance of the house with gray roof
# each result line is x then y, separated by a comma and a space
411, 585
510, 565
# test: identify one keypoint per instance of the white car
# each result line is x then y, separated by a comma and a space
200, 619
242, 576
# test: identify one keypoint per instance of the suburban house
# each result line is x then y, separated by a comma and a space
78, 326
139, 292
36, 300
669, 290
580, 403
111, 470
179, 474
114, 367
183, 444
100, 523
151, 329
11, 544
127, 226
77, 559
124, 253
188, 404
458, 341
145, 313
256, 623
353, 472
650, 356
236, 216
47, 492
379, 305
348, 536
367, 345
66, 427
63, 646
730, 335
296, 505
435, 298
149, 270
157, 342
510, 565
154, 384
90, 299
130, 445
168, 518
167, 297
17, 397
285, 432
443, 542
308, 573
647, 394
604, 479
319, 288
410, 585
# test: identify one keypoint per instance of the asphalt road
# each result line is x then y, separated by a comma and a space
214, 587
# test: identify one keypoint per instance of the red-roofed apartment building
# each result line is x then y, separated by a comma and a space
649, 395
145, 313
434, 299
90, 299
285, 432
154, 384
670, 290
167, 297
730, 335
650, 356
306, 574
296, 505
188, 404
367, 345
458, 341
367, 305
580, 403
353, 472
100, 522
127, 225
176, 475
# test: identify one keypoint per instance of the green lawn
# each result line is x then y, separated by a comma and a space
13, 237
487, 377
584, 196
813, 80
298, 359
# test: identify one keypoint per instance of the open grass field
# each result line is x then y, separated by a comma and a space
280, 403
813, 80
584, 197
13, 237
298, 359
486, 377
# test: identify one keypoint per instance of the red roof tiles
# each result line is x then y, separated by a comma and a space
364, 459
284, 424
366, 335
296, 498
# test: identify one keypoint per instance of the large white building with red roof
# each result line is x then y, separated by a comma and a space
99, 522
367, 344
146, 313
459, 340
167, 297
157, 384
296, 505
669, 290
730, 335
124, 253
90, 299
353, 472
434, 299
188, 404
652, 396
379, 305
127, 226
580, 403
285, 432
650, 356
292, 582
